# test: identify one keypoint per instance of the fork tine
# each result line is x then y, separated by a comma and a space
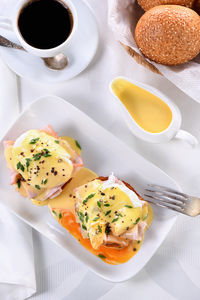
162, 188
179, 199
160, 205
167, 199
160, 202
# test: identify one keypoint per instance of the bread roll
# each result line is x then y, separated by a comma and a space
148, 4
169, 34
197, 6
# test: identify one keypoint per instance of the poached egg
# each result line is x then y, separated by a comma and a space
41, 162
108, 206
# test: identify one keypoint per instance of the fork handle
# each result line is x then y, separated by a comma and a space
193, 208
188, 137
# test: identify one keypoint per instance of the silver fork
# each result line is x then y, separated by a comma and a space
166, 197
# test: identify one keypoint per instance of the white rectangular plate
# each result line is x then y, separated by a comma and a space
103, 153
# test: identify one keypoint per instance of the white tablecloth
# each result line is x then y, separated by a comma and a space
59, 275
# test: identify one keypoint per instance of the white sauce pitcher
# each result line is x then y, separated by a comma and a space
173, 131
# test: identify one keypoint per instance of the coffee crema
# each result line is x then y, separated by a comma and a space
45, 24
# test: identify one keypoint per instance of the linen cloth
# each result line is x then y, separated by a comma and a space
123, 17
173, 272
17, 274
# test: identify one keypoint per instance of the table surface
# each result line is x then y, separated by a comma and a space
59, 275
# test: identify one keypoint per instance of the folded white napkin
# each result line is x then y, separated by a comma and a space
17, 275
122, 18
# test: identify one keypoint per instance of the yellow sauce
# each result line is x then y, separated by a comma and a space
117, 200
11, 163
65, 201
150, 112
63, 209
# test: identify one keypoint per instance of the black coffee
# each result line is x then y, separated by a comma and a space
45, 24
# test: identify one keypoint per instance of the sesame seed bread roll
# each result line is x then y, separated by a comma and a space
197, 6
169, 34
148, 4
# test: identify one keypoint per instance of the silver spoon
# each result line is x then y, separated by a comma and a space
57, 62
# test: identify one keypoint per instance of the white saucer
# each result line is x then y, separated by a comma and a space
80, 52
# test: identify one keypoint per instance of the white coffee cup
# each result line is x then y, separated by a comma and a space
173, 131
12, 24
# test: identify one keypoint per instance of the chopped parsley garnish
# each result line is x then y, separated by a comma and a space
81, 216
47, 153
99, 203
56, 141
27, 163
84, 227
129, 206
86, 218
108, 212
137, 220
115, 220
37, 186
33, 141
20, 166
101, 256
145, 217
119, 214
106, 204
78, 145
37, 156
44, 181
95, 219
56, 214
99, 228
88, 197
19, 183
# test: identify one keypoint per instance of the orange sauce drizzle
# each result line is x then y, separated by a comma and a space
112, 256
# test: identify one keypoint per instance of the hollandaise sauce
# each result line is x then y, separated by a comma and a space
150, 112
43, 161
63, 209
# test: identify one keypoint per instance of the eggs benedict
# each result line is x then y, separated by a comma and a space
104, 214
110, 212
41, 163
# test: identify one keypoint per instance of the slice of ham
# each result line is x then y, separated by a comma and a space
114, 241
135, 233
14, 176
49, 130
30, 194
7, 143
77, 165
54, 192
50, 194
77, 162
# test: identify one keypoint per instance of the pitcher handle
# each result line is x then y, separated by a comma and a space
188, 137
